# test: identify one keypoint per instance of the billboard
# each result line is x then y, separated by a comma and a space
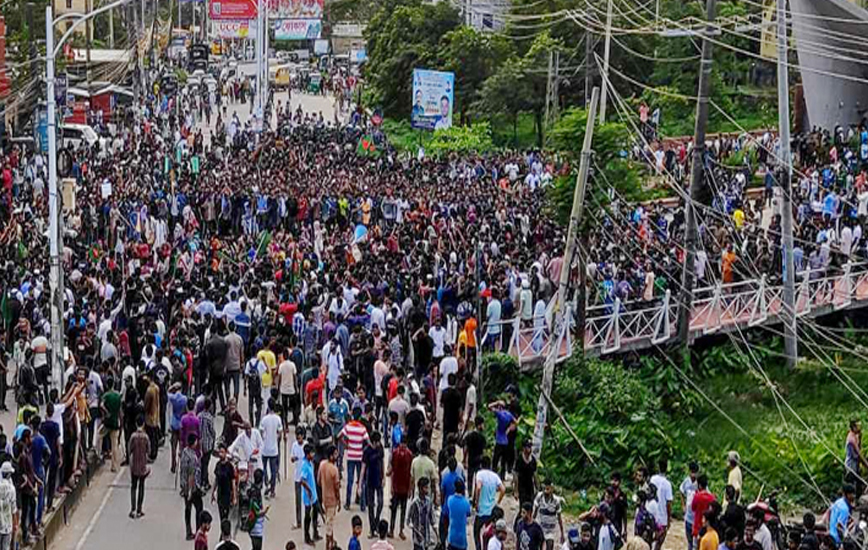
295, 9
297, 29
433, 97
232, 9
233, 28
321, 47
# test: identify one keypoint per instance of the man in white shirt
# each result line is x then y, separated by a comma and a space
438, 336
287, 373
493, 314
8, 507
448, 365
663, 509
247, 448
272, 432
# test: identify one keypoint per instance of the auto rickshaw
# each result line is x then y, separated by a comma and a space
315, 84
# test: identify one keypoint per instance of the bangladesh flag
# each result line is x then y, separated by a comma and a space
367, 147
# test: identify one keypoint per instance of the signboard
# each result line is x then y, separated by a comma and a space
358, 56
60, 87
295, 9
348, 30
239, 28
232, 9
41, 127
321, 47
297, 29
433, 96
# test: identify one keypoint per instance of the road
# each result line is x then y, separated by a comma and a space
101, 521
314, 104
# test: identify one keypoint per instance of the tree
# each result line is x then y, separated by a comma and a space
609, 167
404, 35
473, 56
506, 92
520, 85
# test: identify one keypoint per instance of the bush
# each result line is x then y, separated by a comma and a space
475, 138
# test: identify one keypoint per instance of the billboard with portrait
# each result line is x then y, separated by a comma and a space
433, 97
295, 9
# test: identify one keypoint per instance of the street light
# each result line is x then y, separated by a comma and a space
55, 282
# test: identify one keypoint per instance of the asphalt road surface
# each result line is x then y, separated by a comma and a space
101, 521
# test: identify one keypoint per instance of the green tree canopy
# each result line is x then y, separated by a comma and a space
404, 35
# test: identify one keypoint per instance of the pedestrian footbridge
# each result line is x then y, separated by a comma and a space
619, 327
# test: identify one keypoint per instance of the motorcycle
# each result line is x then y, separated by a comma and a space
771, 517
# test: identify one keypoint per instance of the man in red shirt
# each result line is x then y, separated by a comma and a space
701, 502
399, 469
315, 386
201, 540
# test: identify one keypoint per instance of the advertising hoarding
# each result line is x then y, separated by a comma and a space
232, 9
321, 47
295, 9
297, 29
433, 97
233, 28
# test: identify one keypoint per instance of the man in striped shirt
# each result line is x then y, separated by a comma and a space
355, 437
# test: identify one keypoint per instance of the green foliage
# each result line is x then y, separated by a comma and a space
519, 85
475, 138
629, 413
404, 137
610, 140
401, 36
473, 56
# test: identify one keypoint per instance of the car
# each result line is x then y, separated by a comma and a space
210, 83
74, 135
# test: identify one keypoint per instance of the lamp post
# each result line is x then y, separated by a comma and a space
55, 239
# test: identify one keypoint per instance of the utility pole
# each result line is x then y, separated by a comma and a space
88, 36
697, 175
791, 337
561, 320
547, 119
551, 114
111, 30
607, 48
55, 238
556, 88
588, 55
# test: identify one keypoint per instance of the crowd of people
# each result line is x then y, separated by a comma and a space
740, 235
337, 294
342, 297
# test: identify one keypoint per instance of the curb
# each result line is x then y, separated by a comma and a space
65, 506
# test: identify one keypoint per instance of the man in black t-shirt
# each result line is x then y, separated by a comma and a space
524, 474
474, 446
415, 421
224, 483
528, 533
453, 407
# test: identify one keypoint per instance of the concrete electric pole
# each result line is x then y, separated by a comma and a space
788, 316
697, 182
561, 320
607, 48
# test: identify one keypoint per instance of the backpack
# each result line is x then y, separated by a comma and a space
254, 383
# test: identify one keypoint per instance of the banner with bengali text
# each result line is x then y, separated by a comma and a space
297, 29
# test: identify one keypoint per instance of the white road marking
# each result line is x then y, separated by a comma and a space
99, 510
